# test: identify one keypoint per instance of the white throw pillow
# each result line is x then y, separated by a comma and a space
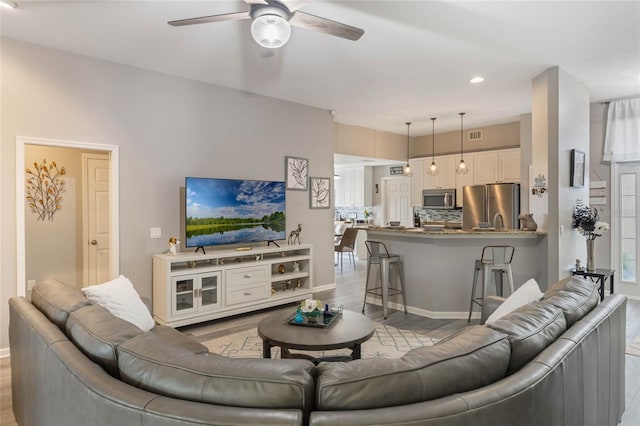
526, 293
120, 298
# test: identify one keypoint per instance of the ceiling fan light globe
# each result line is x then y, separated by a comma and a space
270, 31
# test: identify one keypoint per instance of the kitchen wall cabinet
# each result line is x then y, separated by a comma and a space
464, 180
497, 166
417, 180
355, 187
484, 167
446, 178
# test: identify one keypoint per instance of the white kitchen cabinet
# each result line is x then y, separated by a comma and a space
509, 165
464, 180
417, 180
446, 178
355, 187
497, 166
194, 287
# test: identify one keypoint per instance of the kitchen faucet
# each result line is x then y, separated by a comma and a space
495, 218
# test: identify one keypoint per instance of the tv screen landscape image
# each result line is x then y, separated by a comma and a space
233, 211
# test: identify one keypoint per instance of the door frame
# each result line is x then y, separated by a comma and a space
114, 179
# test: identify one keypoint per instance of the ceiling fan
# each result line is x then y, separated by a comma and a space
272, 21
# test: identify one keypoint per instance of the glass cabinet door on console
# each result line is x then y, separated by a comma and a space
183, 294
195, 293
209, 291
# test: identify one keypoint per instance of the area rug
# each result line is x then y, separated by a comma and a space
634, 347
386, 342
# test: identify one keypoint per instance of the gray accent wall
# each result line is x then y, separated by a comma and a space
167, 128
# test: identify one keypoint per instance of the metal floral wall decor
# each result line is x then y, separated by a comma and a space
44, 188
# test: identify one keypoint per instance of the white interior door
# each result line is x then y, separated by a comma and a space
97, 221
396, 200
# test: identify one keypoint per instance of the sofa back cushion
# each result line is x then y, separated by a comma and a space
57, 300
152, 363
530, 328
97, 333
575, 296
474, 357
175, 338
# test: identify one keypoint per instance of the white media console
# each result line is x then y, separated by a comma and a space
195, 287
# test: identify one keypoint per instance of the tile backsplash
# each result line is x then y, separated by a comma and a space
349, 213
426, 215
439, 215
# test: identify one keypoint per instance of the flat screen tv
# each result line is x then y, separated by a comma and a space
233, 211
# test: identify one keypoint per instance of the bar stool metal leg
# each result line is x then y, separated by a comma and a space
400, 267
366, 283
476, 269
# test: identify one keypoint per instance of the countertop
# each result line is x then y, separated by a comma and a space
460, 233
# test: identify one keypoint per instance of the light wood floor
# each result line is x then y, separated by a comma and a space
350, 293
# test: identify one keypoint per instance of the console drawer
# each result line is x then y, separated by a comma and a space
246, 294
248, 275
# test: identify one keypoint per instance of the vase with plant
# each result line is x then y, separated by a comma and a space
311, 309
367, 215
586, 221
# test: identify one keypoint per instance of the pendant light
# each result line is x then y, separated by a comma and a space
407, 168
462, 168
433, 169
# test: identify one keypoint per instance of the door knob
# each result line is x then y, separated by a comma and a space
94, 242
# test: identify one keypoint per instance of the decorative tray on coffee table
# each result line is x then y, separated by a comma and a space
323, 321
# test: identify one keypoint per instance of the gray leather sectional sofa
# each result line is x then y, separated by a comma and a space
558, 361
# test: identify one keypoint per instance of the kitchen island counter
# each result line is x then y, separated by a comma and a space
448, 233
438, 265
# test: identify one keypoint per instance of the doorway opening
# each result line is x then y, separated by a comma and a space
76, 274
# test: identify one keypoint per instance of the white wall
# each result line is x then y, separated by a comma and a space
560, 122
167, 128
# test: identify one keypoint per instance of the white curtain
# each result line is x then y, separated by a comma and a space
622, 140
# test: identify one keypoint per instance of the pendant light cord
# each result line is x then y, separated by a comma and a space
461, 137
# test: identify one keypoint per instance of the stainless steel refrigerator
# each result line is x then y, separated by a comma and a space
481, 203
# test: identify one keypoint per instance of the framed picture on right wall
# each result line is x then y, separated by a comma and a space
576, 171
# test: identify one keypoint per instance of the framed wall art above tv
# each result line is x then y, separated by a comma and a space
576, 169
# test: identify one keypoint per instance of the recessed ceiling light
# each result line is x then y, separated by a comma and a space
478, 79
8, 4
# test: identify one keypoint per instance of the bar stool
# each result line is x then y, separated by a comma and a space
379, 255
496, 260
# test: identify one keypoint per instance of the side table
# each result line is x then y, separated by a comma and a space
600, 276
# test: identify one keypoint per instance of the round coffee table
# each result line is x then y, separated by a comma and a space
348, 330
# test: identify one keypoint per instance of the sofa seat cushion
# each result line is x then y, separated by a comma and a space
530, 328
575, 296
474, 357
151, 363
57, 300
97, 333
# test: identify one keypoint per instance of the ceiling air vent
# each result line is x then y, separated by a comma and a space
475, 135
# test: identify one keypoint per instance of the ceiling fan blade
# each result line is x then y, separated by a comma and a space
294, 5
255, 1
212, 18
327, 26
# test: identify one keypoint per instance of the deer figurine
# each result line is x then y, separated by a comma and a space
295, 235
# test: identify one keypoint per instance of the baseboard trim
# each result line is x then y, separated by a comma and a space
5, 353
317, 289
424, 312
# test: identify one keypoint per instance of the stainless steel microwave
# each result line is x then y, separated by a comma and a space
439, 198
